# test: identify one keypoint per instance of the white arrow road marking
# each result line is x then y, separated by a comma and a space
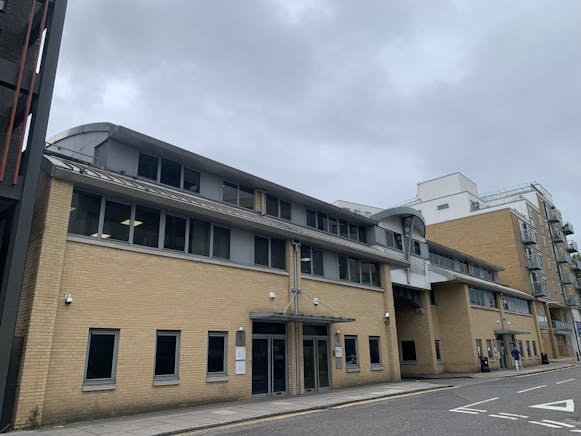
469, 412
467, 408
531, 389
576, 431
567, 406
504, 417
545, 424
513, 414
558, 423
565, 381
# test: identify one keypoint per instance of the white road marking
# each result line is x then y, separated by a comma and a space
467, 407
531, 389
565, 381
476, 404
545, 424
576, 431
568, 406
558, 423
463, 411
513, 414
503, 417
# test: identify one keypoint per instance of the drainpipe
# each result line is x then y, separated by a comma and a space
295, 290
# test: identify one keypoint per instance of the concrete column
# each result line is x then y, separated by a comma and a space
391, 353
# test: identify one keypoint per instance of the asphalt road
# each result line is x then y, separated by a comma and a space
471, 407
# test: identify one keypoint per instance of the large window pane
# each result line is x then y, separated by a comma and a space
271, 205
306, 259
322, 221
117, 221
165, 353
318, 262
343, 228
351, 358
354, 274
246, 197
375, 357
216, 353
333, 225
408, 350
84, 215
311, 218
285, 210
191, 180
362, 234
375, 281
366, 273
260, 251
100, 361
230, 193
171, 173
146, 226
353, 232
278, 253
343, 268
147, 166
175, 233
221, 243
199, 237
398, 241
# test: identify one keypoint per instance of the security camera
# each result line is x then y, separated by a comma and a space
386, 315
316, 301
68, 299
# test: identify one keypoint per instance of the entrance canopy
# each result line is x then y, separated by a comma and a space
315, 319
510, 332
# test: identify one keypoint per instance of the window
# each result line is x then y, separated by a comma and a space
351, 356
333, 226
146, 226
482, 273
353, 232
191, 180
359, 271
443, 206
535, 348
438, 350
343, 268
175, 233
221, 243
278, 208
479, 297
528, 343
343, 229
394, 240
311, 218
101, 357
311, 261
479, 347
520, 348
166, 355
375, 281
269, 252
217, 353
365, 273
354, 273
285, 210
322, 223
489, 349
362, 234
199, 237
513, 304
408, 351
171, 173
374, 354
117, 221
84, 214
433, 297
416, 249
238, 195
147, 166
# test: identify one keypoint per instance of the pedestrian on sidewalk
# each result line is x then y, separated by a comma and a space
516, 356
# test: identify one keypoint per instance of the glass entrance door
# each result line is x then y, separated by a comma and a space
269, 359
316, 364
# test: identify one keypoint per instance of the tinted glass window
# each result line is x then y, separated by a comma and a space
147, 166
375, 281
278, 253
374, 351
314, 330
199, 237
306, 259
398, 241
343, 269
175, 233
285, 210
171, 173
311, 218
351, 352
146, 231
100, 359
408, 350
271, 205
317, 262
271, 328
322, 221
117, 221
216, 353
191, 180
84, 215
354, 274
362, 234
416, 248
260, 251
221, 243
246, 197
230, 193
343, 228
333, 226
165, 354
366, 273
353, 232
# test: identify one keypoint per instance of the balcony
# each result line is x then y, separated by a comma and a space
568, 229
554, 216
528, 236
534, 263
563, 327
562, 257
568, 279
540, 289
572, 247
575, 265
577, 283
572, 301
558, 236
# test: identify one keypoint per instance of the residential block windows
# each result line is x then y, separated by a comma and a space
217, 343
325, 223
482, 273
191, 180
374, 354
101, 357
513, 304
168, 172
238, 195
394, 240
351, 356
312, 261
277, 207
408, 351
270, 252
166, 355
84, 214
480, 297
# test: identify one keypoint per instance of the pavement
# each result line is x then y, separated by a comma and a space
178, 421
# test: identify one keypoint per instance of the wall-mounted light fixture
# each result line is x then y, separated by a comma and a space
68, 299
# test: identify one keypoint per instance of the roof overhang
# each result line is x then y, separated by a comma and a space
314, 319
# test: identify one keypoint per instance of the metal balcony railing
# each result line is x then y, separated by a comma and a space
558, 236
554, 216
562, 326
540, 289
562, 257
575, 265
577, 282
572, 301
572, 247
568, 229
534, 262
528, 236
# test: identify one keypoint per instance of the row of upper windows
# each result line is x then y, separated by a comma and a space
336, 226
450, 262
480, 297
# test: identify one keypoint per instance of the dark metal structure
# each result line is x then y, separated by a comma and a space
30, 38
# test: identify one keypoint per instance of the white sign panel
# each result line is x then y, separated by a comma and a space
240, 353
338, 351
240, 367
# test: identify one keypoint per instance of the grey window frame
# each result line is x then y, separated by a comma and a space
105, 383
377, 339
350, 366
237, 186
160, 379
278, 207
219, 374
269, 251
182, 168
535, 351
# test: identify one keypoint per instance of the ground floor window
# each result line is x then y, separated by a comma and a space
217, 342
535, 348
408, 351
438, 350
375, 355
521, 349
166, 355
479, 347
101, 356
529, 349
351, 356
489, 349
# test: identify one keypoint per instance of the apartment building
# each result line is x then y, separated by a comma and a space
520, 229
30, 34
159, 278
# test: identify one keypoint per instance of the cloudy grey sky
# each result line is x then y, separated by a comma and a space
352, 100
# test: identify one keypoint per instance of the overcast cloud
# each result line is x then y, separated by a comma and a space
339, 99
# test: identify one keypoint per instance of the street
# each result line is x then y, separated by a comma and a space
539, 404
